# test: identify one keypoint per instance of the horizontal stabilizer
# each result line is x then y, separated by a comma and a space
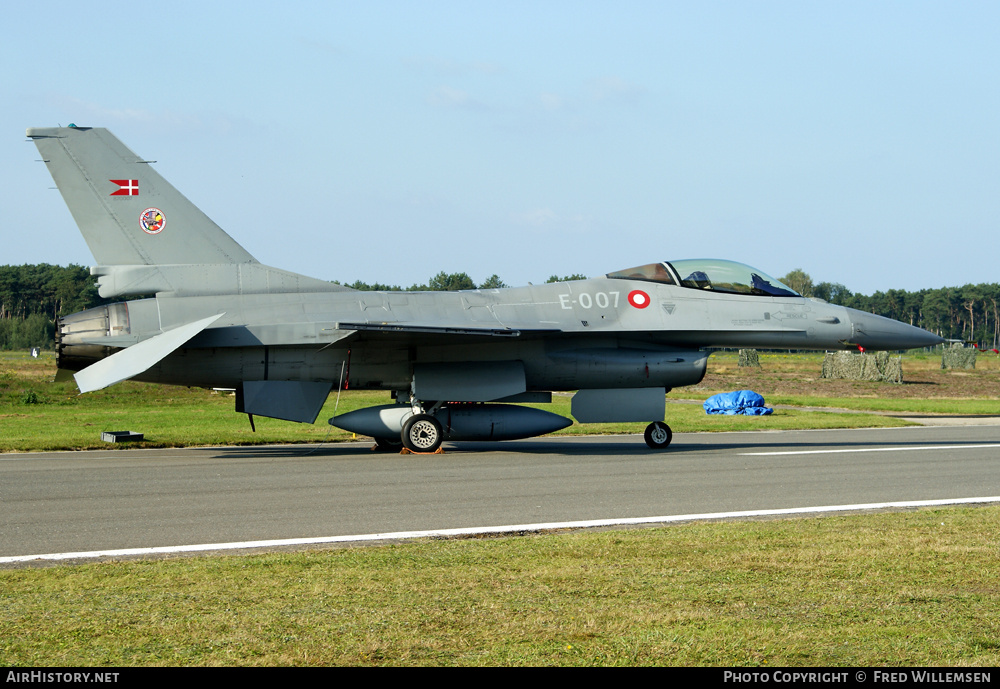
192, 280
138, 358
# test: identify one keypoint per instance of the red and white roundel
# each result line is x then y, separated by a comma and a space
152, 221
638, 299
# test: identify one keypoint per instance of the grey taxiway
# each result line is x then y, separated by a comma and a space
105, 500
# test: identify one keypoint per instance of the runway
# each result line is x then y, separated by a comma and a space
107, 500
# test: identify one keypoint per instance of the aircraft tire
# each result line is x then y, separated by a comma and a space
422, 433
658, 435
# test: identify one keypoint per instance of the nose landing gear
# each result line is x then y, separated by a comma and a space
658, 435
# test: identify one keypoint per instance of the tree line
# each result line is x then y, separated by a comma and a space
448, 282
33, 296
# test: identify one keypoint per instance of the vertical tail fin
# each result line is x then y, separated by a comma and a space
128, 214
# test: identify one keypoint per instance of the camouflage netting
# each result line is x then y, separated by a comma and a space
749, 357
958, 356
877, 367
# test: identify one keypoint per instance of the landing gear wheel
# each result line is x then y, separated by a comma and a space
422, 433
658, 435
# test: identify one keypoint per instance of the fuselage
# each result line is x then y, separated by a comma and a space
597, 333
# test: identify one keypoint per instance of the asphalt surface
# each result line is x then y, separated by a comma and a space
114, 499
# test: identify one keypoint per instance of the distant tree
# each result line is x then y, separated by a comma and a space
35, 330
568, 278
450, 281
935, 312
374, 287
493, 282
799, 281
913, 307
33, 296
996, 320
440, 282
896, 304
833, 292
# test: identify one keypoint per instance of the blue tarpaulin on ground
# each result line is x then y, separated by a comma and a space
746, 402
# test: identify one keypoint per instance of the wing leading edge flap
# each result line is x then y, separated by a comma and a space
427, 329
139, 357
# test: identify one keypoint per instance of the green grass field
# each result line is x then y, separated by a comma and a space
888, 589
913, 588
37, 414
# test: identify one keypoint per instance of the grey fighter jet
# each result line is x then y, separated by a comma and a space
455, 362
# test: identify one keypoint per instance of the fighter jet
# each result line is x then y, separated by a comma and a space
455, 363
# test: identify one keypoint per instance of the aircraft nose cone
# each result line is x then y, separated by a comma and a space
877, 332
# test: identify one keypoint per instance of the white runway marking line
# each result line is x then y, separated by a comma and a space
516, 528
867, 449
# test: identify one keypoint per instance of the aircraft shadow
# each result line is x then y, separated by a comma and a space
603, 447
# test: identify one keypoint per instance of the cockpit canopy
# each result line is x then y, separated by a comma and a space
711, 274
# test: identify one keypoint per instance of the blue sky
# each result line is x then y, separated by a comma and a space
388, 141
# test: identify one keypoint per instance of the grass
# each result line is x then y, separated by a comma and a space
37, 414
915, 406
795, 380
914, 588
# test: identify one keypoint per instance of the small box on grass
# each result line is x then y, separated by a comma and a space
120, 436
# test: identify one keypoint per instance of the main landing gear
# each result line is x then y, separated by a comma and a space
422, 433
658, 435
